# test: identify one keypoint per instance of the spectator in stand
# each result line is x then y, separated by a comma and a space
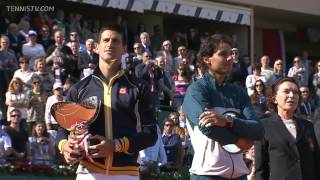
145, 41
193, 40
57, 96
88, 60
32, 49
16, 98
5, 146
149, 72
42, 20
151, 157
8, 60
316, 82
181, 117
60, 21
289, 149
16, 39
171, 143
138, 53
166, 52
95, 29
141, 27
85, 32
24, 27
307, 103
157, 38
182, 53
298, 72
249, 159
252, 78
259, 99
182, 80
37, 99
46, 77
24, 73
70, 81
74, 36
178, 40
267, 71
72, 66
238, 73
278, 69
41, 145
166, 86
74, 24
306, 62
45, 37
59, 54
19, 138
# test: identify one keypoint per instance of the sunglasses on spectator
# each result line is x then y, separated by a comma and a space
169, 125
15, 115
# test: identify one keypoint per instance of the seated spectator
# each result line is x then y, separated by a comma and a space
5, 146
138, 53
171, 143
41, 145
16, 98
56, 97
8, 60
182, 117
46, 77
252, 78
259, 99
32, 49
37, 99
74, 36
151, 157
298, 72
24, 73
278, 69
182, 53
19, 138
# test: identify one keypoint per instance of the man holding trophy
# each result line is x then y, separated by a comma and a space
111, 119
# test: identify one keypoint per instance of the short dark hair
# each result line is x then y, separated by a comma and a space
256, 66
274, 88
113, 27
210, 45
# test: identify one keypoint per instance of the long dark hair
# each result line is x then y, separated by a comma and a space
44, 134
255, 95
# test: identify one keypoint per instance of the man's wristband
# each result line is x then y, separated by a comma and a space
229, 121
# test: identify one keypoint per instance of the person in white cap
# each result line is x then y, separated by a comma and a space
32, 49
56, 97
238, 74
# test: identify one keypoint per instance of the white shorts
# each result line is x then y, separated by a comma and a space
97, 176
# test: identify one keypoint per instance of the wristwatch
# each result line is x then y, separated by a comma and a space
230, 121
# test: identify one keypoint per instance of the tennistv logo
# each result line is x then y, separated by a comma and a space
29, 8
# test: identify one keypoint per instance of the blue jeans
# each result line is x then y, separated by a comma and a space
197, 177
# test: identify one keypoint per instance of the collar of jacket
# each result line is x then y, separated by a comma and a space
97, 72
211, 81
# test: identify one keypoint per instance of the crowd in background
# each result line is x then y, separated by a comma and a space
41, 57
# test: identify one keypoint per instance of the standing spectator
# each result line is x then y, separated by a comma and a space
145, 41
37, 100
166, 52
74, 36
316, 82
182, 80
42, 20
307, 103
267, 71
252, 78
41, 145
72, 66
298, 72
157, 38
24, 73
278, 69
238, 74
171, 143
19, 138
16, 39
60, 21
24, 27
149, 72
138, 53
16, 98
74, 24
289, 149
32, 49
45, 37
259, 99
166, 85
57, 96
182, 53
193, 40
85, 32
88, 60
178, 40
46, 77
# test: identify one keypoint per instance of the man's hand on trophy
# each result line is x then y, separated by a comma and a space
71, 151
104, 148
211, 118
